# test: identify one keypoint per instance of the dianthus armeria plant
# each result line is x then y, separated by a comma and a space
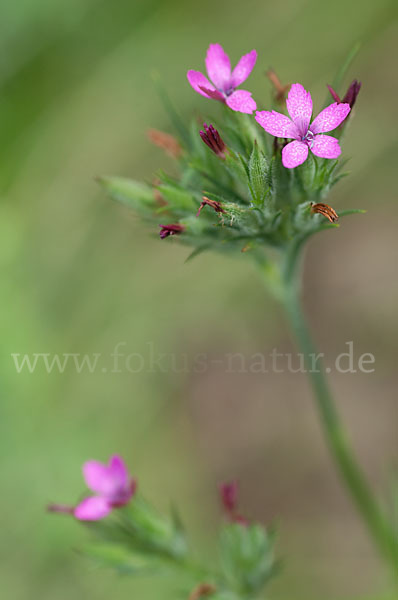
254, 180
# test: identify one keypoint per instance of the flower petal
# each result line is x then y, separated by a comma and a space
212, 93
243, 68
299, 107
294, 154
330, 118
118, 470
92, 509
326, 146
123, 495
199, 81
218, 66
277, 124
99, 478
241, 101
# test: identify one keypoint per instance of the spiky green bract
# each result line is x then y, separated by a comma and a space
247, 554
137, 540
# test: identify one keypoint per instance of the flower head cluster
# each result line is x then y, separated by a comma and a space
141, 539
236, 189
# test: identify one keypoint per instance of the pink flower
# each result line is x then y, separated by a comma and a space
224, 83
112, 485
305, 136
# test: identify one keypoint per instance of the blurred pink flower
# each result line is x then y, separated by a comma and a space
222, 85
229, 500
112, 485
305, 136
229, 495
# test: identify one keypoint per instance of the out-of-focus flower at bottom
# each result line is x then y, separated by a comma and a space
112, 485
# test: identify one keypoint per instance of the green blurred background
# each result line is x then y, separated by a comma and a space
81, 274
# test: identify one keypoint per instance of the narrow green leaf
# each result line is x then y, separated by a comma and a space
175, 118
180, 201
351, 211
132, 193
258, 172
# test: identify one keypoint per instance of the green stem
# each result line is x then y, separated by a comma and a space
351, 473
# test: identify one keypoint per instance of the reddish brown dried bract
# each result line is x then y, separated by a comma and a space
217, 206
204, 589
172, 229
166, 142
280, 89
325, 210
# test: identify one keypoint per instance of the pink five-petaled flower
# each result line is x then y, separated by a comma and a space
112, 485
224, 83
305, 136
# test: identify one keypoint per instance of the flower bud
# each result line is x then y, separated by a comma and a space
229, 500
212, 138
350, 95
172, 229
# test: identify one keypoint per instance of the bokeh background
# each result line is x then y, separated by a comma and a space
81, 274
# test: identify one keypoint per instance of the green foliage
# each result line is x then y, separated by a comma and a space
258, 176
133, 194
263, 204
137, 540
247, 554
142, 532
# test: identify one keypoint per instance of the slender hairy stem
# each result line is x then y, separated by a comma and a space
355, 482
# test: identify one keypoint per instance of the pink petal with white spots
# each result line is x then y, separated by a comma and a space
218, 66
241, 101
243, 68
299, 107
199, 81
92, 509
99, 478
326, 146
294, 154
277, 124
330, 118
